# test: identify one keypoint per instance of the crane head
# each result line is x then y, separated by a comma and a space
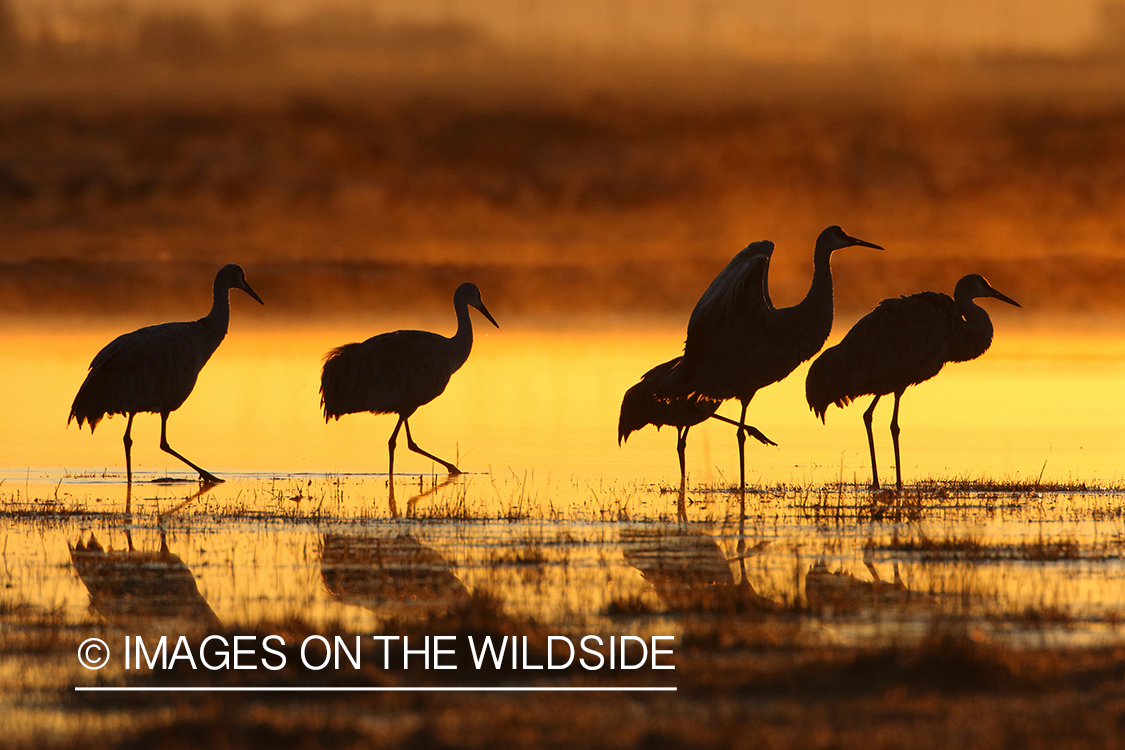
834, 238
974, 285
470, 295
232, 277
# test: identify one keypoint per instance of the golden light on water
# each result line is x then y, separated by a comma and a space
546, 402
591, 166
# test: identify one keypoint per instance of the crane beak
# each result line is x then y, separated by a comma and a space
865, 243
485, 313
246, 288
1005, 298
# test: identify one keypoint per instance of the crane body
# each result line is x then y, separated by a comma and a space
902, 342
738, 342
397, 372
154, 369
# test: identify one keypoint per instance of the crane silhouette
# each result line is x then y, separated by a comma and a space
395, 373
154, 369
643, 405
651, 401
738, 342
902, 342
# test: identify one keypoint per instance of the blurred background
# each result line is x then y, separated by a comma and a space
587, 157
591, 165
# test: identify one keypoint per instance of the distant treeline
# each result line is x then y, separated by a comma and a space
600, 201
182, 37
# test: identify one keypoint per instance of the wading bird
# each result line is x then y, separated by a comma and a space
395, 373
902, 342
650, 401
643, 405
738, 342
154, 369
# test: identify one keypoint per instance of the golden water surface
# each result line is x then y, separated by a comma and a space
546, 401
553, 516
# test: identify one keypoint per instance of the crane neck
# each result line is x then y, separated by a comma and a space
821, 288
462, 340
218, 320
812, 316
973, 337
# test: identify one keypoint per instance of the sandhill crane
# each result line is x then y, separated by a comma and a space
154, 369
643, 405
395, 373
738, 342
903, 341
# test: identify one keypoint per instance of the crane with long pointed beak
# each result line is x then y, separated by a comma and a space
154, 369
397, 372
738, 342
902, 342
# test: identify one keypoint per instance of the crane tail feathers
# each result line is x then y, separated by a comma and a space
345, 384
83, 412
827, 383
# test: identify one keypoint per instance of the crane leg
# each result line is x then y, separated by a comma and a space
414, 447
753, 432
128, 450
742, 449
391, 448
867, 416
894, 437
681, 446
205, 475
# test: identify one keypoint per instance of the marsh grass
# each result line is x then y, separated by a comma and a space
508, 534
976, 549
744, 673
631, 606
330, 497
527, 551
745, 686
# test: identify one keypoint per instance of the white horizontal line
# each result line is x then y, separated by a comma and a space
253, 689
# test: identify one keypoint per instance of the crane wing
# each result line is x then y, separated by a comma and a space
651, 402
903, 341
736, 296
390, 373
151, 369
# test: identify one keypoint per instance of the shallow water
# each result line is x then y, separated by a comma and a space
337, 549
552, 517
545, 403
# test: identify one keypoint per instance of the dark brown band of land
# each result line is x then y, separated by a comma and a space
344, 198
308, 290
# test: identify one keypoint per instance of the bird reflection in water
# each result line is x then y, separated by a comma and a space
841, 591
134, 586
421, 495
688, 570
391, 575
